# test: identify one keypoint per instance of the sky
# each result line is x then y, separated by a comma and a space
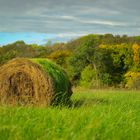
37, 21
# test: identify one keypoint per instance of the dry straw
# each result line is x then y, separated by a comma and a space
36, 82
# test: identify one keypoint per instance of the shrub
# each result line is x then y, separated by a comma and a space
106, 79
89, 77
132, 80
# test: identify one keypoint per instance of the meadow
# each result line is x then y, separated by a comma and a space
93, 115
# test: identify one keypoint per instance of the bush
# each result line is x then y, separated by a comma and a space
89, 77
106, 79
132, 80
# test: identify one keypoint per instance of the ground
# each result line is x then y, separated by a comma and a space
93, 115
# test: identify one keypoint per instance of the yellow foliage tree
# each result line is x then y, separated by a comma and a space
132, 79
136, 57
60, 57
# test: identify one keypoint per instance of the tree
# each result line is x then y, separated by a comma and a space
60, 57
136, 52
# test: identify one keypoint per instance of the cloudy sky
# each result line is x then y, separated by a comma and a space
36, 21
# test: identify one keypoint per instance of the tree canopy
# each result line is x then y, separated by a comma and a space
109, 58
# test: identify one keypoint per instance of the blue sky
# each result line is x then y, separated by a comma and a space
6, 37
37, 21
28, 37
35, 38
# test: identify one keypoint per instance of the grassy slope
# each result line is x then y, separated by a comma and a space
98, 115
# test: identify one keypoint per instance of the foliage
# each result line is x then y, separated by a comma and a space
60, 57
110, 56
106, 79
121, 56
132, 80
7, 56
136, 57
82, 56
89, 77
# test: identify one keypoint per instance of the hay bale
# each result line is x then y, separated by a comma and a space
34, 81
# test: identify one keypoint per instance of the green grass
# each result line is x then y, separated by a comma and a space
99, 115
59, 76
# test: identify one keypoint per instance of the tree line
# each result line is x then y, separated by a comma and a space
92, 61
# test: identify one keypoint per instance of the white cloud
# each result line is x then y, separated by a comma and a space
69, 34
91, 21
103, 22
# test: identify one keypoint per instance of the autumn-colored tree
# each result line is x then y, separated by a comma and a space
132, 80
122, 60
111, 57
60, 57
136, 57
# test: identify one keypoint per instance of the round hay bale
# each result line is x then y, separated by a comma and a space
33, 81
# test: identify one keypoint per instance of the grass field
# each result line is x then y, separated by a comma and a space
99, 115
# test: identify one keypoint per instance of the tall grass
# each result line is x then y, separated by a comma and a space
60, 78
99, 115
